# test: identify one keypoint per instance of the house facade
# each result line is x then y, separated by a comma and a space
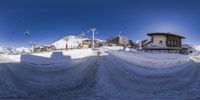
163, 42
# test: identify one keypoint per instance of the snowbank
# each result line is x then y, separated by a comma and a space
22, 49
153, 60
131, 50
196, 58
55, 58
112, 47
51, 58
195, 55
13, 58
79, 53
196, 47
74, 53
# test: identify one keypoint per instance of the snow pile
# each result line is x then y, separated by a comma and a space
154, 60
52, 58
100, 52
131, 50
74, 53
195, 58
196, 47
13, 58
112, 47
55, 58
117, 48
79, 53
22, 50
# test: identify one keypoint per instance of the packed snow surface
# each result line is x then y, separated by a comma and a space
114, 75
196, 47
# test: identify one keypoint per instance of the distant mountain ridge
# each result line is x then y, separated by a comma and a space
5, 50
9, 50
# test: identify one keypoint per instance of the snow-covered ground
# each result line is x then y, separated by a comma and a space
22, 50
196, 47
115, 75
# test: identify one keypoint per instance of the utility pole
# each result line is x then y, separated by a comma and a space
93, 32
32, 44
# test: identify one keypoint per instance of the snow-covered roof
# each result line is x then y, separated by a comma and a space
164, 33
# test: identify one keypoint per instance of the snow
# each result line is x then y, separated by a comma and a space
71, 41
114, 75
22, 50
13, 58
60, 44
112, 47
196, 47
130, 50
56, 58
196, 58
52, 58
153, 60
5, 50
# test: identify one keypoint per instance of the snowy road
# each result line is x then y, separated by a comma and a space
117, 76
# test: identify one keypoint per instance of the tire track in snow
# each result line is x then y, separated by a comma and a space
104, 78
80, 79
129, 80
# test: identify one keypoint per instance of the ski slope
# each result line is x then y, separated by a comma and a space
116, 75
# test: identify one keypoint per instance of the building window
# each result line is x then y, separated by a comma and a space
168, 42
172, 42
178, 43
175, 42
161, 42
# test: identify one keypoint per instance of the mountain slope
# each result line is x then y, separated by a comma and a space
4, 50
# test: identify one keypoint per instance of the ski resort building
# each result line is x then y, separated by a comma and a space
162, 42
118, 40
44, 48
97, 43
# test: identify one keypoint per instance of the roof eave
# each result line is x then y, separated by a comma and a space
150, 34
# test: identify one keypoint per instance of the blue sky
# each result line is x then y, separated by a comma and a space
50, 20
